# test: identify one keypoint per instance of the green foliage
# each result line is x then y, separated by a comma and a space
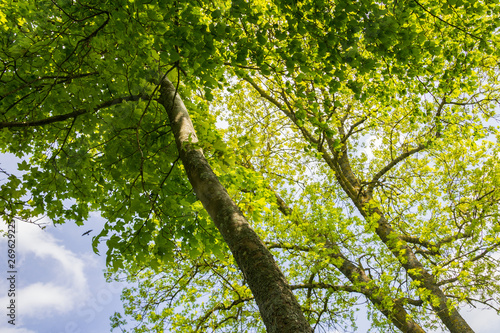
400, 96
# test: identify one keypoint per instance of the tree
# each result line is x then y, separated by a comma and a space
357, 148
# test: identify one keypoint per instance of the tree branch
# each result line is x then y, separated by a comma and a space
221, 307
397, 314
71, 115
391, 165
62, 79
448, 23
406, 154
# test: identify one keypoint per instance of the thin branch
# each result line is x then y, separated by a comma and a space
441, 283
406, 154
219, 308
61, 78
241, 66
351, 129
415, 302
485, 252
267, 96
391, 165
416, 240
473, 300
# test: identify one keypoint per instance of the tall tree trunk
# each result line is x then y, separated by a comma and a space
278, 306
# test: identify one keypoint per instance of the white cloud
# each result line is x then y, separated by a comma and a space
45, 247
56, 289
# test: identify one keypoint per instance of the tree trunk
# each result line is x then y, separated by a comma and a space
278, 306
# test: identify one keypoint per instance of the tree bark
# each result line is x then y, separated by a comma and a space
278, 306
448, 314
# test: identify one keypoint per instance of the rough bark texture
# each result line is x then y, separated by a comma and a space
278, 306
449, 315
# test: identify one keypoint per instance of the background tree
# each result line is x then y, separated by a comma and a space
357, 148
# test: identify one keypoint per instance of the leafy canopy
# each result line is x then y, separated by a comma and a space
361, 137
